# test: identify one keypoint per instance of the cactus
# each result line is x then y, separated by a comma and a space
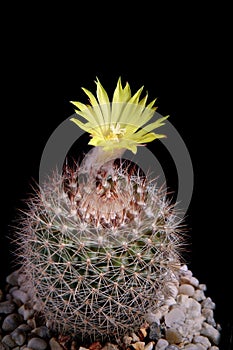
99, 242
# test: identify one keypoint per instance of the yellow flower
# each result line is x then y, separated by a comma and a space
119, 124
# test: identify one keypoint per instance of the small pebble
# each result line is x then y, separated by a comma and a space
186, 289
212, 333
199, 295
171, 289
26, 311
19, 336
25, 327
6, 307
191, 347
20, 295
208, 303
11, 322
42, 332
8, 340
155, 331
54, 345
202, 340
172, 347
151, 317
37, 344
202, 286
12, 279
194, 281
161, 344
193, 308
173, 336
174, 317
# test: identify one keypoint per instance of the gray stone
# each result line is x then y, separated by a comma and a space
37, 344
12, 279
42, 332
54, 345
20, 295
155, 331
208, 303
26, 311
174, 317
210, 332
186, 289
25, 327
11, 322
161, 344
19, 336
9, 341
6, 307
172, 347
202, 340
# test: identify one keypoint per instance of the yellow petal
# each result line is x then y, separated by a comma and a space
136, 96
101, 93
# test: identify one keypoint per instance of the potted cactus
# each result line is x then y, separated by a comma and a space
100, 244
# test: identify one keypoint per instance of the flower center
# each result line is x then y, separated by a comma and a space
116, 132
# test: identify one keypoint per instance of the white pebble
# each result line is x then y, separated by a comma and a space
208, 303
174, 317
199, 295
169, 301
153, 317
161, 344
202, 286
186, 289
193, 308
202, 340
194, 281
212, 333
20, 295
171, 289
192, 347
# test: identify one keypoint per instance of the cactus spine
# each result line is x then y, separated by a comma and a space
99, 247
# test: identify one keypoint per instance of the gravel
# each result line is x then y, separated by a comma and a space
185, 321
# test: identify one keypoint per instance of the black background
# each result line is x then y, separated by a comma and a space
183, 61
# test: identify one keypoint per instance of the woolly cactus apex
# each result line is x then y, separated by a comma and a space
99, 247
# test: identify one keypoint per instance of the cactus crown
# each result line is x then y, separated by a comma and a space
121, 123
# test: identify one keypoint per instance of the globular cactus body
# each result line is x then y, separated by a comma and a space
98, 272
